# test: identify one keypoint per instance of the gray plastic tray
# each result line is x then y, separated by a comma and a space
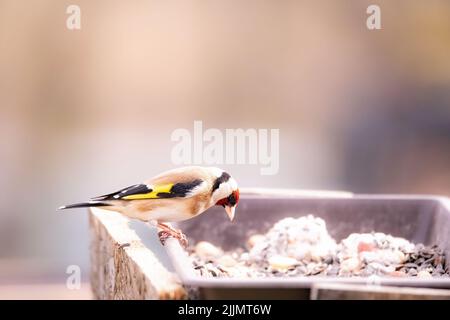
420, 219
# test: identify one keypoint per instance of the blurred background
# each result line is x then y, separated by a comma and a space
84, 112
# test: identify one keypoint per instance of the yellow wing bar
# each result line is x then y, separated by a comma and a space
150, 195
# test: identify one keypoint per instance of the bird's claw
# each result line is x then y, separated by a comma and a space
183, 240
164, 235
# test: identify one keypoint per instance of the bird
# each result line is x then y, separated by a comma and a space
171, 196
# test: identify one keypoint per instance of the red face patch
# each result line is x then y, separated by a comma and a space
236, 195
222, 202
231, 200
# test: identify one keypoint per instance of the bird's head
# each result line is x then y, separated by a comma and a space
225, 192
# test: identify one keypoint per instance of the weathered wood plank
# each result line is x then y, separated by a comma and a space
126, 272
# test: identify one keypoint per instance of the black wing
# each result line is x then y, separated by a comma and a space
180, 190
128, 191
177, 190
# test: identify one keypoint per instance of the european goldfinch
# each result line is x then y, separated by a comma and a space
171, 196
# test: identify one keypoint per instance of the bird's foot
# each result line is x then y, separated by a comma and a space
169, 231
183, 240
164, 235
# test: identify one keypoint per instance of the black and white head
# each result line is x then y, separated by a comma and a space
225, 192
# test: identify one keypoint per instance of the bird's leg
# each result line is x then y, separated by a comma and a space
168, 231
168, 227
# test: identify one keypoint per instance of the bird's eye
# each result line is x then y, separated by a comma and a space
232, 199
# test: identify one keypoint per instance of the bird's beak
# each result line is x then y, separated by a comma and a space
230, 212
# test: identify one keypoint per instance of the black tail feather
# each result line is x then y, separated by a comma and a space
85, 205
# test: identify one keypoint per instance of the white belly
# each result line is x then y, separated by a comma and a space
175, 212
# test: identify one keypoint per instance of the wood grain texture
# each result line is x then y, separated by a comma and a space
121, 271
